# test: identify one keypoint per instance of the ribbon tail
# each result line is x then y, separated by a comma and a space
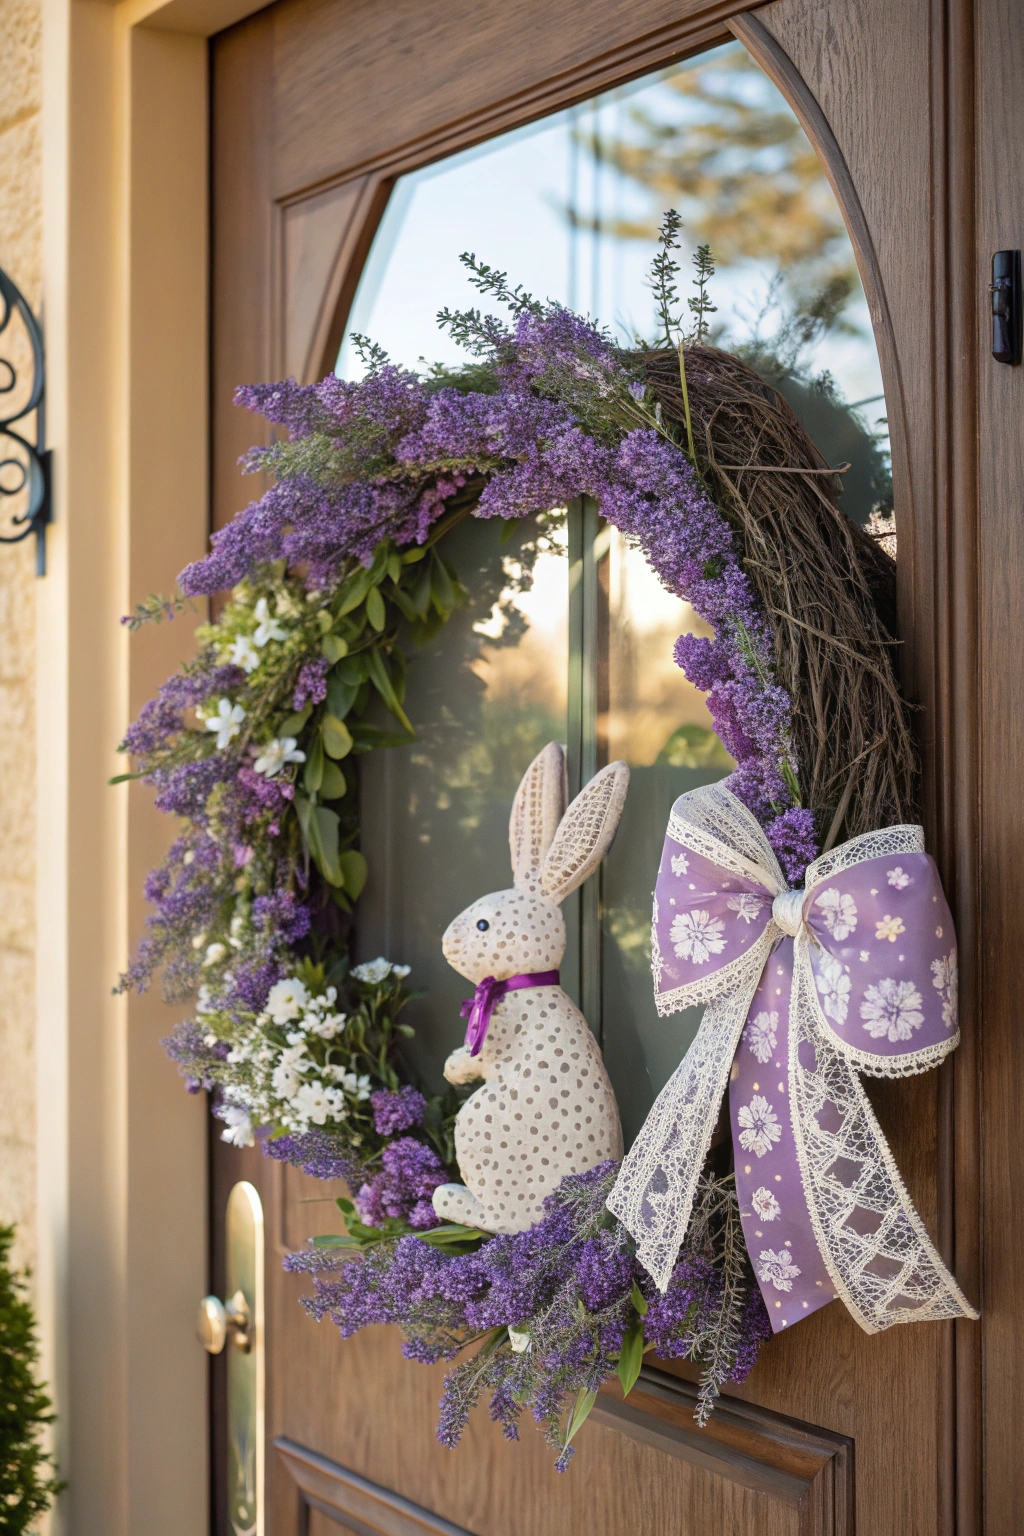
882, 1262
654, 1192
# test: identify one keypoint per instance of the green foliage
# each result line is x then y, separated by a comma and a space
664, 272
695, 746
156, 608
358, 1237
372, 356
700, 305
27, 1484
490, 281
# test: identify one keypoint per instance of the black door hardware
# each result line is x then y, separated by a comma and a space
1006, 307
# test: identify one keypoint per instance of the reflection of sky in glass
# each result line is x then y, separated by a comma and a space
506, 201
537, 667
649, 697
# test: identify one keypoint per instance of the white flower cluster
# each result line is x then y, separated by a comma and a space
292, 1066
245, 649
297, 1085
374, 971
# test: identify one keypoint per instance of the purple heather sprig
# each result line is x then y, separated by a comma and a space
552, 1306
564, 421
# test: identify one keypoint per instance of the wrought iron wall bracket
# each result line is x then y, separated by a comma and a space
25, 467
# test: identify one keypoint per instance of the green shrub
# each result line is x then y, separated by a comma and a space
27, 1486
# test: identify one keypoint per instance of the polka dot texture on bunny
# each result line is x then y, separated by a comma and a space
546, 1110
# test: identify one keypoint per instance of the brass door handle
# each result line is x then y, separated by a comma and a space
219, 1319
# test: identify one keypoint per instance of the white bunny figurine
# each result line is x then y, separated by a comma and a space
546, 1108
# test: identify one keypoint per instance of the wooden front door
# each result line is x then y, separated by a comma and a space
318, 106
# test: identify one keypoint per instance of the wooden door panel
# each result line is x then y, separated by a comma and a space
323, 244
353, 94
997, 504
351, 1426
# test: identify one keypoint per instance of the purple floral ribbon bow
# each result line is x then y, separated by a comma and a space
478, 1008
804, 989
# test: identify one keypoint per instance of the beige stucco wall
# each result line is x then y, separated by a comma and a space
21, 256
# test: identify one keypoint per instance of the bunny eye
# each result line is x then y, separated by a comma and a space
483, 925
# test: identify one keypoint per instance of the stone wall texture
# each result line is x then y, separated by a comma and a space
21, 257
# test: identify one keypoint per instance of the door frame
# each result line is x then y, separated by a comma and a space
121, 1150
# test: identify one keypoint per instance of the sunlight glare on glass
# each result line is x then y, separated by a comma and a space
570, 206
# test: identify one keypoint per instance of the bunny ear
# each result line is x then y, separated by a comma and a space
585, 832
536, 812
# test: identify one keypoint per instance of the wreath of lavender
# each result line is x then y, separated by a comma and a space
334, 573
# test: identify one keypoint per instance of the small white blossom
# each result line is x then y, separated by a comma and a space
892, 1009
761, 1128
834, 985
325, 1025
838, 913
275, 754
401, 971
239, 1126
285, 1081
267, 628
897, 878
680, 863
287, 1000
312, 1101
199, 941
373, 970
214, 953
766, 1207
227, 722
778, 1269
889, 928
244, 654
697, 936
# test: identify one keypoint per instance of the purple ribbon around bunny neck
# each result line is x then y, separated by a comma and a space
478, 1008
804, 990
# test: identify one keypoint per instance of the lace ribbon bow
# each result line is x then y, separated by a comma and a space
478, 1008
804, 989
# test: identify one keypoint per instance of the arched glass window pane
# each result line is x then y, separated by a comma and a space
570, 208
572, 640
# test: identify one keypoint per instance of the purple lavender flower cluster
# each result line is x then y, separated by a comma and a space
402, 1189
567, 1288
381, 459
397, 1111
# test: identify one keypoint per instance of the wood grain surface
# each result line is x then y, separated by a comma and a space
999, 443
318, 105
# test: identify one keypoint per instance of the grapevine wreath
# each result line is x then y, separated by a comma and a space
335, 576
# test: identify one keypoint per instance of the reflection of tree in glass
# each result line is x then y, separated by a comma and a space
729, 155
695, 746
736, 164
474, 741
